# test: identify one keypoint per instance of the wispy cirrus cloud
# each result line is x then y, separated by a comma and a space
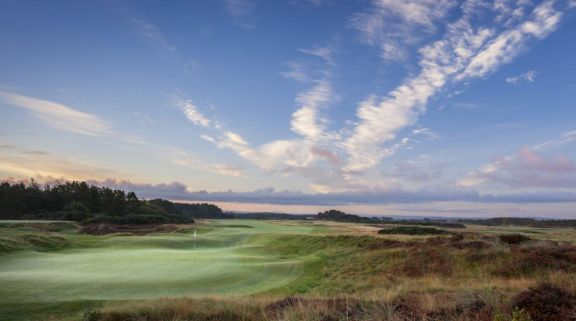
326, 53
66, 118
467, 51
152, 33
191, 111
393, 24
472, 45
156, 38
19, 162
296, 72
528, 76
229, 170
58, 115
241, 12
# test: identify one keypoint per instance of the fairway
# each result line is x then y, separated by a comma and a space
153, 266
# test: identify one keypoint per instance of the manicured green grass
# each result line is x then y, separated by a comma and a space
103, 268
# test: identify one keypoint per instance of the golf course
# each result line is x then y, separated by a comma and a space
229, 269
217, 260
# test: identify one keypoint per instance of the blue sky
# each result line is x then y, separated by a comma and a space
415, 107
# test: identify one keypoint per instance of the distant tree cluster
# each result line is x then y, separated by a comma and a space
335, 215
79, 201
198, 210
522, 221
412, 230
273, 216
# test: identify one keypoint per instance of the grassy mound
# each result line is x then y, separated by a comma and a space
32, 241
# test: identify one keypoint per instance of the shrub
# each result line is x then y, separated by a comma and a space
514, 239
538, 258
92, 315
426, 261
412, 230
547, 303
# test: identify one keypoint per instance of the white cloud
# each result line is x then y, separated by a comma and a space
58, 115
528, 76
529, 167
468, 49
322, 52
306, 120
208, 138
192, 112
393, 24
229, 170
297, 72
19, 162
465, 52
526, 169
425, 132
509, 44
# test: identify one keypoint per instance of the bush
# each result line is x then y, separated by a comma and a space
412, 230
529, 260
514, 239
92, 315
547, 303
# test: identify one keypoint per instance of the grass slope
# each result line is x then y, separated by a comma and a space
102, 268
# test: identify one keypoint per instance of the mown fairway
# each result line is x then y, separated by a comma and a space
152, 266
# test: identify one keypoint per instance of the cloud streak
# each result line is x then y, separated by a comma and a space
58, 115
191, 112
528, 76
466, 52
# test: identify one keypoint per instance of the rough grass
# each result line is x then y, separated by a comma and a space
543, 303
286, 271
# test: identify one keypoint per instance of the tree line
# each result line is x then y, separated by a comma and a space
79, 201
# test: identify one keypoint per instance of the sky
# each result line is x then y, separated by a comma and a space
377, 107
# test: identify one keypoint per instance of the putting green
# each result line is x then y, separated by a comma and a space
219, 262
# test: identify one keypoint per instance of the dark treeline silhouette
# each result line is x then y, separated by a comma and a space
199, 210
521, 221
427, 222
79, 201
272, 216
335, 215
